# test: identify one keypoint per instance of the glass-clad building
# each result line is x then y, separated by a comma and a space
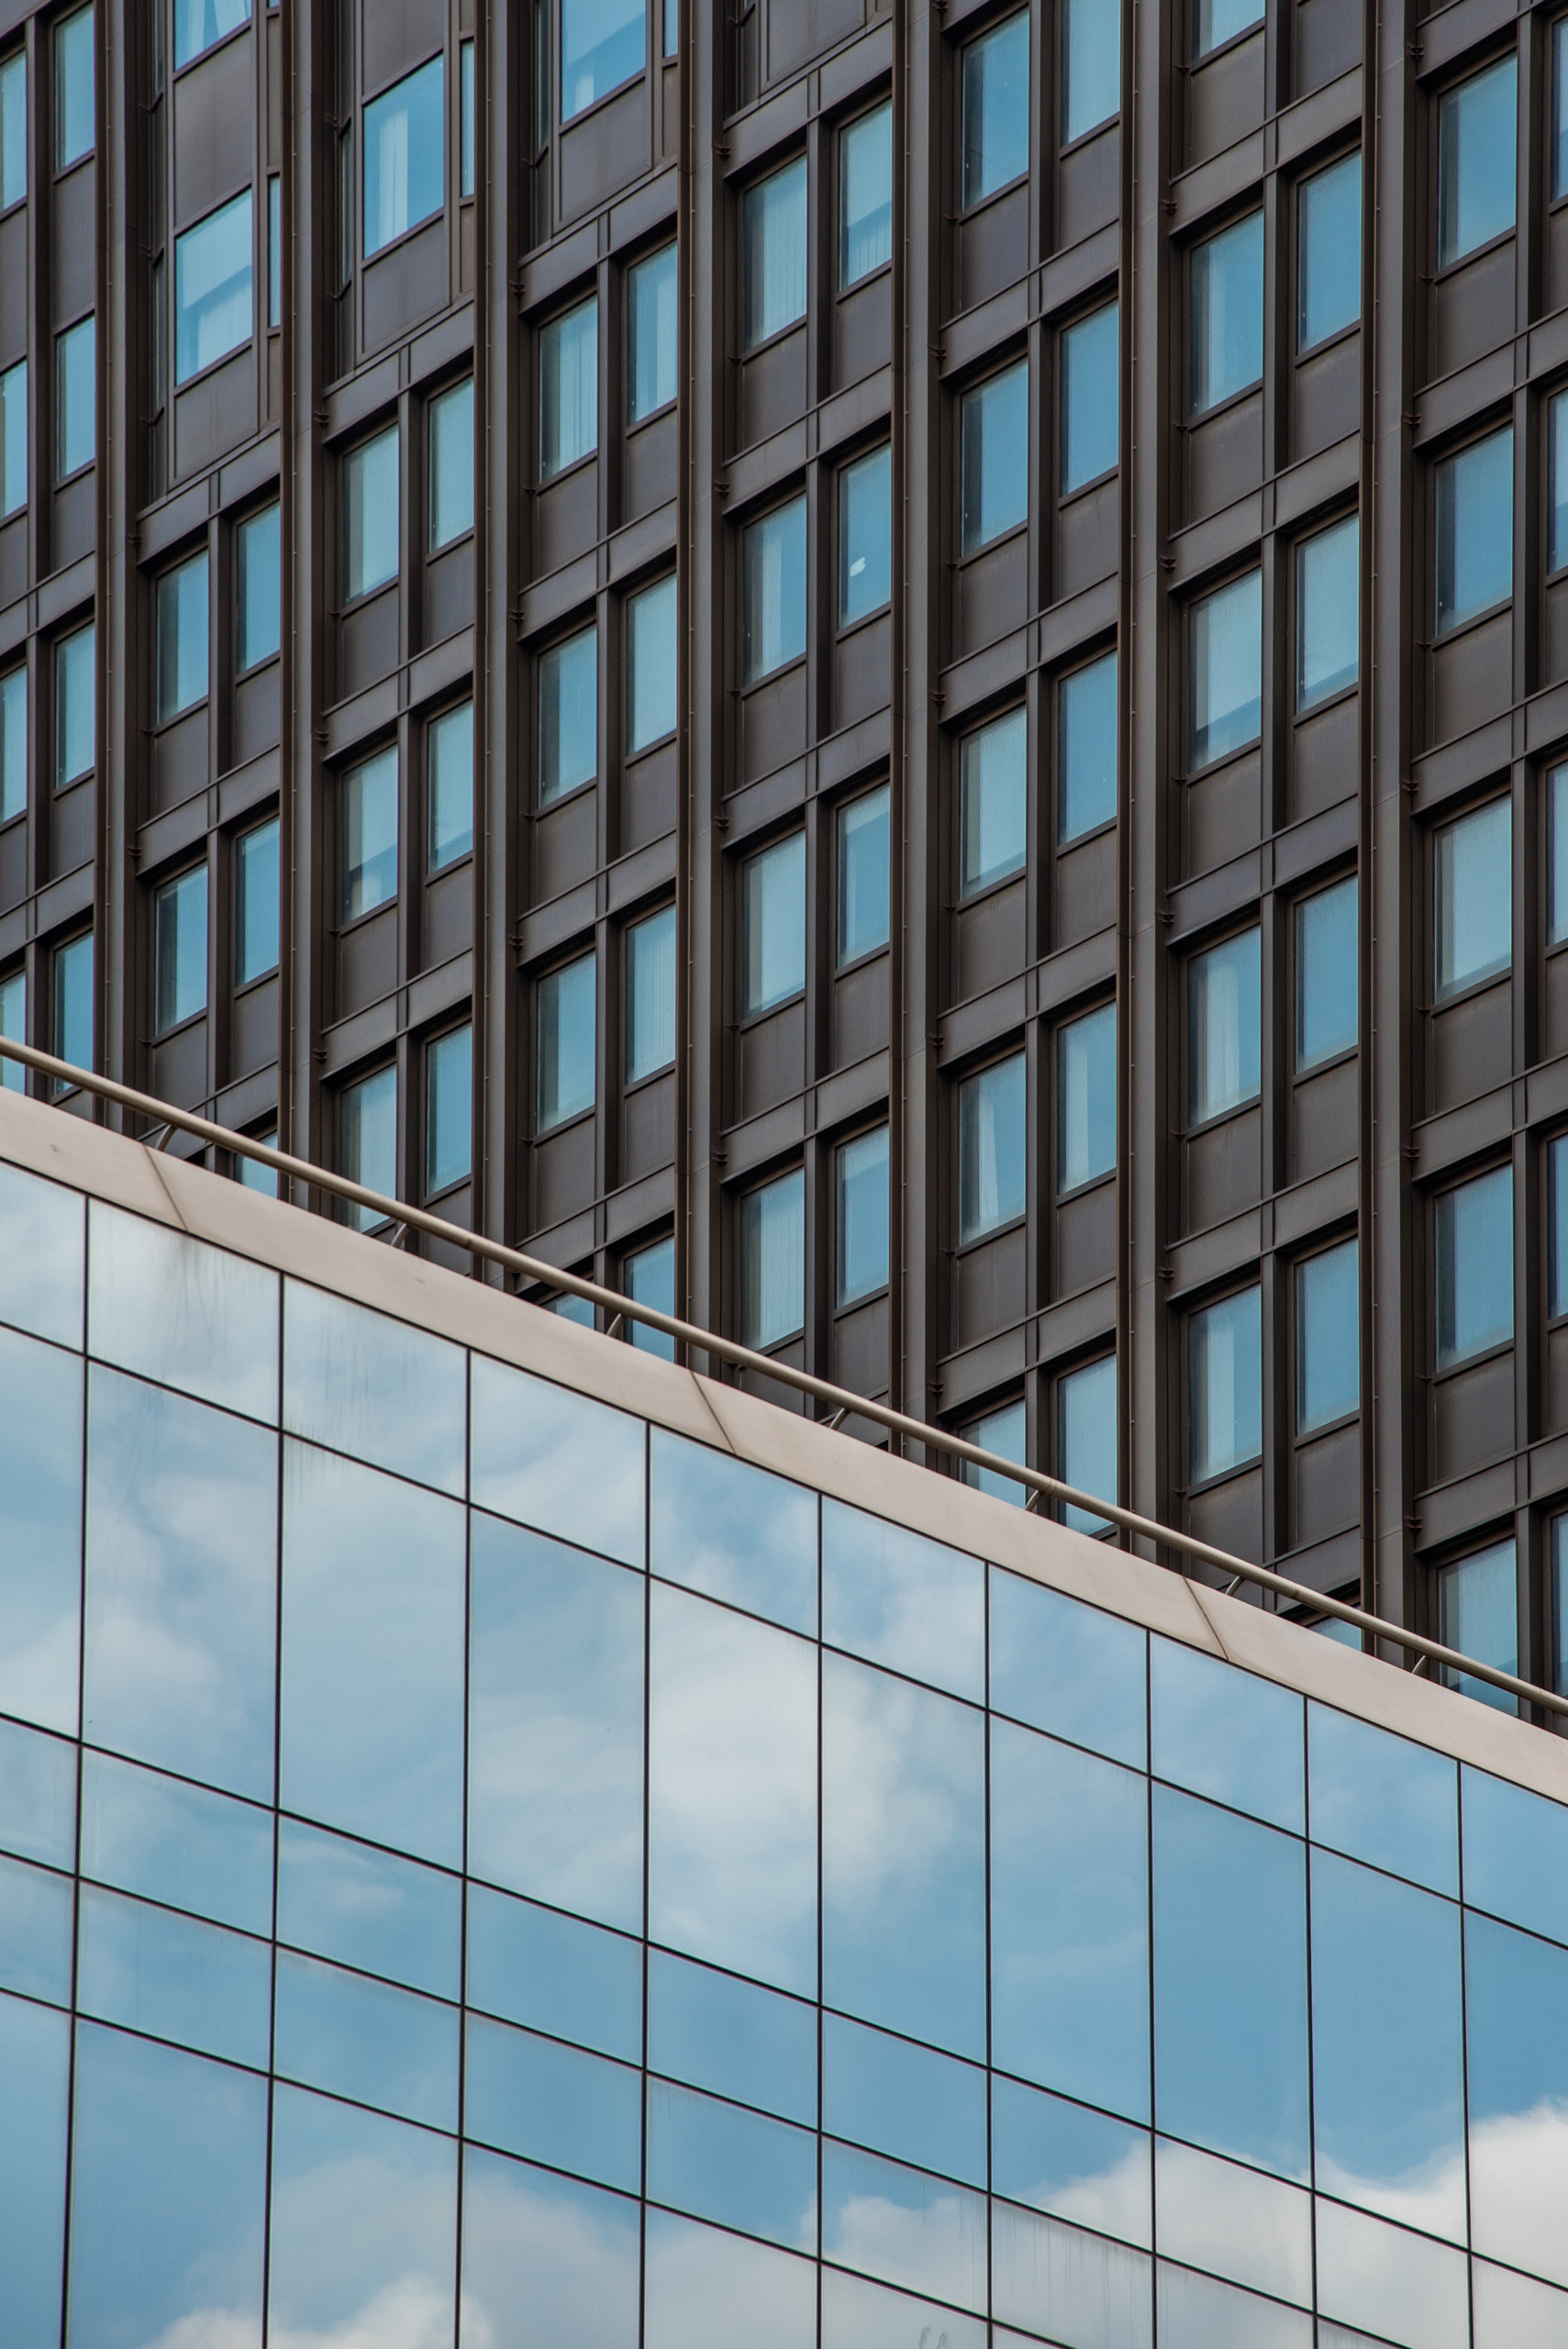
508, 1844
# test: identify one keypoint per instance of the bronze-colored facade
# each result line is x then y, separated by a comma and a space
1125, 439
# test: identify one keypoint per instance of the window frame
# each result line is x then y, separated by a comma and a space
159, 891
863, 113
1303, 1071
1078, 1016
1248, 1284
1301, 711
778, 168
18, 57
842, 1305
565, 1119
557, 317
1458, 1364
966, 208
1086, 316
433, 720
1064, 843
204, 368
1001, 1056
434, 400
366, 254
1441, 463
162, 582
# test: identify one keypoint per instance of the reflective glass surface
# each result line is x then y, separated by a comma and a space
993, 426
996, 108
651, 672
773, 1261
1091, 66
734, 1531
1226, 653
1224, 1042
1474, 1249
1477, 135
1328, 1338
257, 565
865, 537
1328, 614
568, 716
862, 875
1328, 956
866, 195
566, 1003
360, 1383
76, 393
256, 903
1328, 252
1086, 1112
558, 1461
773, 230
1090, 390
34, 2057
448, 788
1473, 887
369, 1908
182, 638
40, 1473
13, 744
185, 1315
568, 389
994, 802
370, 493
214, 298
992, 1148
652, 358
602, 44
1087, 716
1227, 349
449, 495
1475, 529
774, 591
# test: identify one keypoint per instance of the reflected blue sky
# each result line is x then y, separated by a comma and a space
1515, 1854
42, 1264
732, 2037
34, 2053
364, 2227
546, 2259
903, 2099
40, 1475
166, 1306
1071, 2161
1382, 1799
904, 2226
707, 2290
896, 1598
1517, 1998
556, 1974
35, 1931
38, 1796
1227, 1734
1072, 1670
177, 1844
722, 1527
558, 1462
369, 1909
548, 2103
358, 2038
738, 2169
360, 1381
175, 1978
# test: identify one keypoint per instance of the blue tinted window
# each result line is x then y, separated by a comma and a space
1517, 2001
1226, 326
652, 321
556, 1460
1061, 2156
992, 427
732, 2036
1326, 974
256, 903
554, 2104
177, 1844
1091, 399
1475, 529
1477, 131
1328, 1337
567, 2254
602, 45
1383, 1799
363, 2220
38, 1796
732, 1531
35, 1932
996, 108
361, 1383
40, 1473
34, 2057
405, 131
362, 2039
535, 1966
1227, 1733
42, 1264
1071, 1669
175, 1978
1328, 252
1515, 1854
369, 1910
992, 1148
903, 2225
199, 23
720, 2162
903, 2099
1086, 714
898, 1599
214, 300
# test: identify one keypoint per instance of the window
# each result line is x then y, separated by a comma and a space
672, 14
1477, 124
14, 438
650, 1279
76, 91
568, 716
1086, 717
13, 744
1227, 314
1223, 1067
1559, 107
448, 788
774, 566
992, 1153
1224, 649
1557, 529
863, 848
406, 154
1475, 530
1557, 856
449, 1110
865, 537
866, 195
650, 996
1085, 1069
13, 133
199, 23
75, 399
652, 678
179, 949
1328, 614
371, 513
259, 578
13, 1025
252, 1175
1474, 887
568, 1001
774, 230
993, 803
996, 108
602, 44
1087, 1439
1091, 399
651, 290
992, 429
1328, 252
568, 389
1091, 66
1559, 1539
1327, 982
1216, 21
773, 1262
257, 903
468, 168
1225, 1385
76, 707
1328, 1338
182, 638
212, 288
369, 835
1004, 1431
451, 465
1474, 1228
1478, 1614
274, 250
773, 919
859, 1244
367, 1141
73, 1003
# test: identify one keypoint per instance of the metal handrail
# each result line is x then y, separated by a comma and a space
841, 1399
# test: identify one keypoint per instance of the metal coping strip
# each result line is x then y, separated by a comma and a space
686, 1333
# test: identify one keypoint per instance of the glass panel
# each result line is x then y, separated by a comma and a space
1383, 1799
13, 744
1327, 982
369, 835
177, 1844
719, 2162
404, 135
256, 907
555, 1725
1328, 614
449, 1110
732, 2036
554, 1973
1328, 252
722, 1526
14, 1027
368, 1141
996, 108
993, 426
451, 465
568, 1042
34, 2056
76, 397
1477, 128
13, 437
602, 45
863, 837
1516, 2002
865, 537
704, 2284
1219, 21
899, 1599
174, 1978
1227, 314
448, 788
866, 195
370, 488
1516, 1855
568, 715
1069, 1920
904, 2226
1230, 1905
1475, 530
169, 2182
1513, 2312
362, 2039
199, 23
363, 2237
35, 1932
1091, 66
545, 2102
569, 389
773, 1261
861, 1237
1064, 2158
776, 233
1224, 995
651, 322
1559, 108
179, 951
1090, 390
370, 1711
1073, 1670
903, 1858
651, 672
992, 1148
1225, 1385
40, 1475
1226, 648
1328, 1338
558, 1461
182, 1313
1004, 1431
73, 1003
76, 707
369, 1910
1057, 2280
1217, 2215
12, 129
1085, 1401
1478, 1614
274, 249
1087, 782
37, 1797
651, 1280
214, 302
181, 1585
1396, 2285
732, 1791
1474, 886
546, 2259
1474, 1232
1195, 2313
993, 793
858, 2315
1227, 1733
1086, 1111
260, 578
1557, 429
773, 565
468, 168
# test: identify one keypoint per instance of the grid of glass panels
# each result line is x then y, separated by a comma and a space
484, 1850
